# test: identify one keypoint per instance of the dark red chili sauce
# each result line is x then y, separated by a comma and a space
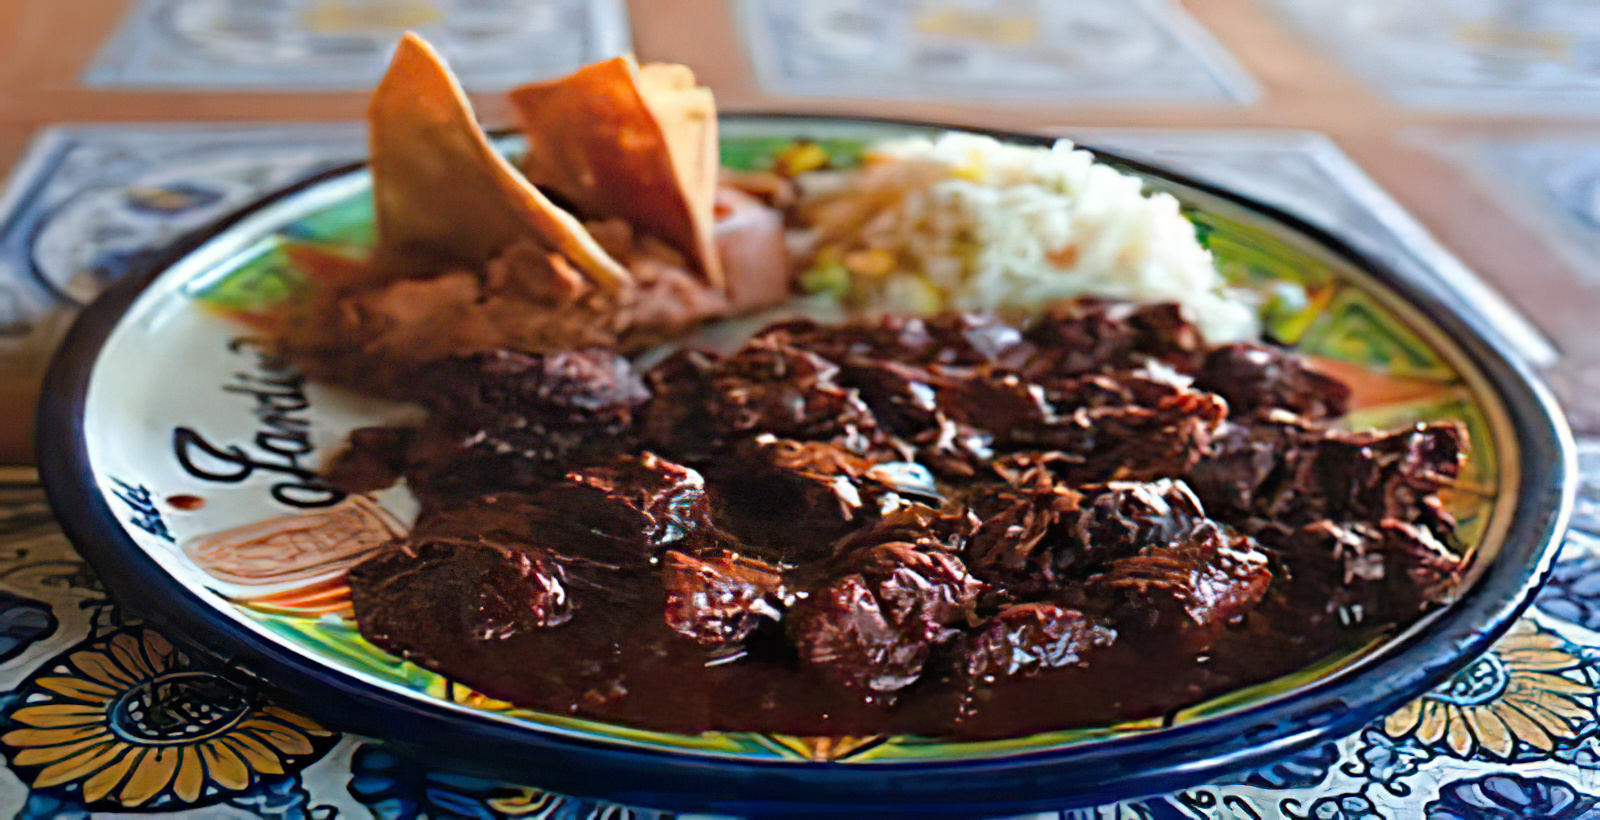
949, 527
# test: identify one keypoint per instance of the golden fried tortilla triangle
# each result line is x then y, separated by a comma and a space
636, 144
444, 196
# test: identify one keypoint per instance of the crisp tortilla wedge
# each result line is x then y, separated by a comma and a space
687, 115
444, 195
639, 144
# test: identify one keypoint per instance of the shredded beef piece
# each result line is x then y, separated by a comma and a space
1432, 572
924, 528
1284, 472
616, 516
874, 627
593, 541
897, 339
483, 590
527, 396
444, 461
918, 586
841, 631
1027, 542
903, 398
1134, 442
1193, 587
1253, 378
1125, 515
704, 406
998, 400
962, 338
1244, 462
718, 596
648, 495
1389, 569
1370, 476
373, 458
1161, 331
1023, 639
1089, 336
524, 416
947, 339
790, 500
1052, 534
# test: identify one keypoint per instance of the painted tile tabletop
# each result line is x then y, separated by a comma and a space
344, 44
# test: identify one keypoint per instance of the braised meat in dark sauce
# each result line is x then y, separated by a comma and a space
949, 527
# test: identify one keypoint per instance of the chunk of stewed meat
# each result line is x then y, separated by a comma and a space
924, 528
481, 591
1246, 461
543, 405
1254, 378
1052, 534
1192, 588
946, 339
1368, 475
1026, 638
789, 500
660, 500
703, 406
904, 398
1388, 568
373, 458
842, 632
874, 628
1122, 517
1089, 336
998, 400
719, 596
1028, 541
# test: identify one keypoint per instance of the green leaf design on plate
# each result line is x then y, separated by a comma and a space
758, 153
253, 281
1355, 328
349, 224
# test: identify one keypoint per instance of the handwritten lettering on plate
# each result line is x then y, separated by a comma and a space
281, 446
146, 515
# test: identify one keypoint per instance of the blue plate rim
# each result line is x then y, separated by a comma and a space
1087, 773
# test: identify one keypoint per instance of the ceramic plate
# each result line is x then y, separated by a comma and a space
182, 461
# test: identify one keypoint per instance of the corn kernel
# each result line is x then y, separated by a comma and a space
913, 295
873, 262
799, 158
825, 278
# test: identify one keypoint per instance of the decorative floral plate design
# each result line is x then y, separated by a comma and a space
193, 457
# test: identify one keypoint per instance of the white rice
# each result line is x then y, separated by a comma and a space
974, 224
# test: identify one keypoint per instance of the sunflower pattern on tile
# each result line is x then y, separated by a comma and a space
127, 720
1532, 692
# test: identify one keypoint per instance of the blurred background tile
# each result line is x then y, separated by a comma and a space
1521, 56
1126, 52
492, 44
1549, 183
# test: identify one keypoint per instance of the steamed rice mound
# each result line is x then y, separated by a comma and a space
969, 223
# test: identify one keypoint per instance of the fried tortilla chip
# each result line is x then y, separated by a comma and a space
445, 197
687, 114
639, 144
